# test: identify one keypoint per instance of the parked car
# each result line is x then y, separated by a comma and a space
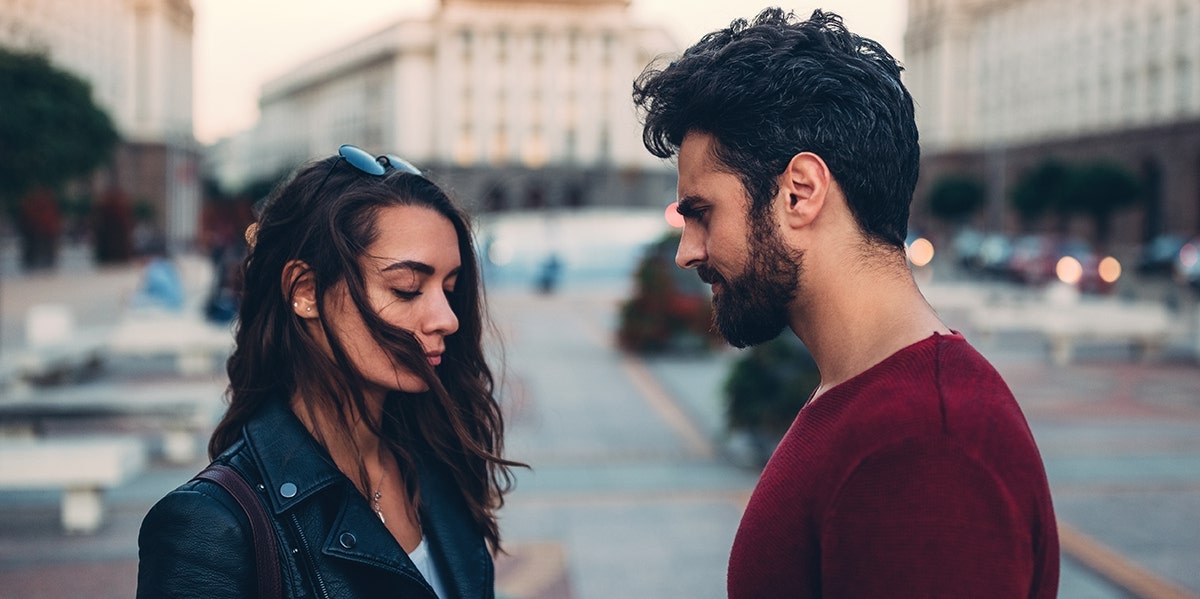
983, 253
1159, 255
1187, 263
1036, 260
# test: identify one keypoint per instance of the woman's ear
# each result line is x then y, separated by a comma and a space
804, 185
300, 288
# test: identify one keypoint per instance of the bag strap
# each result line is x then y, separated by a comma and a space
266, 556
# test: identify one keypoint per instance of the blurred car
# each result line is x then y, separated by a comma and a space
1187, 263
1039, 259
1159, 255
983, 253
966, 246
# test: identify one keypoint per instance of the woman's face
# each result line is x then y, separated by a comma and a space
409, 273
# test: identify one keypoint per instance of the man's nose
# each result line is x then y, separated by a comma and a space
691, 249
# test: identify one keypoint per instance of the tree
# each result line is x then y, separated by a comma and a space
1099, 189
51, 131
1039, 191
954, 198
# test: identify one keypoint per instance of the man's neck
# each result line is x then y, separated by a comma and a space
860, 317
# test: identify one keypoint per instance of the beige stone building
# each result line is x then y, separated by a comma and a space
1001, 85
518, 103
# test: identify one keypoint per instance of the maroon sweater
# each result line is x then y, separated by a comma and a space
916, 478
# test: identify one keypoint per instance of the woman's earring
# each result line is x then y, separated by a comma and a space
308, 309
295, 304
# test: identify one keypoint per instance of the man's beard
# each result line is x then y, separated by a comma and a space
752, 307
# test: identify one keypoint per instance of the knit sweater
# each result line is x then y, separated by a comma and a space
917, 478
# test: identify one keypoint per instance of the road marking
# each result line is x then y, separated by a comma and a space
697, 443
1118, 569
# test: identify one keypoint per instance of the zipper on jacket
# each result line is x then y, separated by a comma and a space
312, 563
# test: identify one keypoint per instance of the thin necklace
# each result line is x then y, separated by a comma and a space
375, 501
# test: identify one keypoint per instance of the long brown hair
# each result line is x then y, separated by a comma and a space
325, 217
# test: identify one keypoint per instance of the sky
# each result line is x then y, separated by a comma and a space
240, 45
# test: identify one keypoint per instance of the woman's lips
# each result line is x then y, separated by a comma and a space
434, 359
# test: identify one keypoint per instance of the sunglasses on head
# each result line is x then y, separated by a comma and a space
371, 165
359, 159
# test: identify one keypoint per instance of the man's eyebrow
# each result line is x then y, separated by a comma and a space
413, 265
688, 206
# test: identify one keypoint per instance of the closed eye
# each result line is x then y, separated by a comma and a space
691, 209
406, 295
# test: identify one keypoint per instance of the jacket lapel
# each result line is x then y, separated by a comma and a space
456, 544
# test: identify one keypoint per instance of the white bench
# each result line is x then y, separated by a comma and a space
83, 467
1144, 326
54, 348
183, 410
189, 339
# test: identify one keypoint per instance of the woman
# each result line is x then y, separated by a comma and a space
361, 407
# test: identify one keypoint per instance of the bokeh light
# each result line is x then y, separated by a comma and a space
500, 253
920, 252
1188, 255
674, 218
1110, 270
1069, 270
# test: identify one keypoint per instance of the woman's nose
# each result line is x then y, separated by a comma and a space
441, 319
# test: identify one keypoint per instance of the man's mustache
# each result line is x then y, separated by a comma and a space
709, 274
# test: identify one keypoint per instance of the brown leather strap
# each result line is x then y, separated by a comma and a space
266, 556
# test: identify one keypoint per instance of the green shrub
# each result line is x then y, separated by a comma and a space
670, 309
768, 385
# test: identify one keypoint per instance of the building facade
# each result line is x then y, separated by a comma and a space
137, 56
515, 103
1001, 85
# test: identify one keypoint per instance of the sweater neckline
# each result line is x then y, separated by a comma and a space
932, 341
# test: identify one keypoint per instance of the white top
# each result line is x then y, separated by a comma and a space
425, 565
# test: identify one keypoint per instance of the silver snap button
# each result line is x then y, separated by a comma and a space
288, 490
347, 540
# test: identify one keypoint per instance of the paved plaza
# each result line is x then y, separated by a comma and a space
636, 489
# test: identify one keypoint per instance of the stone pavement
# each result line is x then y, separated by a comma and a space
636, 491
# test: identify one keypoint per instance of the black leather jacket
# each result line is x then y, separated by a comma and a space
196, 542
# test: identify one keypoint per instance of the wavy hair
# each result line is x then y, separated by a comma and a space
772, 88
325, 216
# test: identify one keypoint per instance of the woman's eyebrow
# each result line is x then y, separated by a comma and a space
413, 265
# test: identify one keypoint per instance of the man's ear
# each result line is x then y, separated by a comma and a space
300, 288
803, 188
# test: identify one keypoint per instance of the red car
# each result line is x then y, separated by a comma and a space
1039, 259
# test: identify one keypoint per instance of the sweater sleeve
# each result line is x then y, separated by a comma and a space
194, 545
923, 519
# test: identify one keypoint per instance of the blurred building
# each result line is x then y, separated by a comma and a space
137, 56
1002, 85
516, 103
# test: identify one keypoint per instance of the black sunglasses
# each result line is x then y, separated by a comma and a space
371, 165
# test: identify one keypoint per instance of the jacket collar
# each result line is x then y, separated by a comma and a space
294, 467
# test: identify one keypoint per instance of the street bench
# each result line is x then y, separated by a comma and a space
55, 349
181, 411
195, 344
1143, 326
82, 467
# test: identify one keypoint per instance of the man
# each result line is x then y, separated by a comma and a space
912, 471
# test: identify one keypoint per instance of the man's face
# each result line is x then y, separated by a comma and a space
754, 277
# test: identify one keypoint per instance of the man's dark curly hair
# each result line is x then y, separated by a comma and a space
772, 88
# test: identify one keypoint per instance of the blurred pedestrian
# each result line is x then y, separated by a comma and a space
361, 407
911, 472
